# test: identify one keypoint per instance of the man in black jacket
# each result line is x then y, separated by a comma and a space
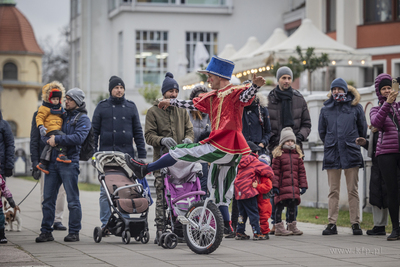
36, 147
287, 108
116, 125
6, 148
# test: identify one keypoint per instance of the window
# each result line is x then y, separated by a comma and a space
331, 15
209, 39
10, 71
75, 8
151, 56
371, 73
112, 4
376, 11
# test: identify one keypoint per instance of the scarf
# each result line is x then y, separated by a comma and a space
286, 113
340, 97
289, 147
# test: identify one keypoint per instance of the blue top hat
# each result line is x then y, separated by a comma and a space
220, 67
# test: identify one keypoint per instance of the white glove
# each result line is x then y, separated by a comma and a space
187, 141
42, 130
168, 142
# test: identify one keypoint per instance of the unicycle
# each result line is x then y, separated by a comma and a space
203, 225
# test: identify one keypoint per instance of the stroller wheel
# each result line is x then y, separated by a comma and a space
97, 234
126, 236
137, 238
144, 237
171, 240
162, 240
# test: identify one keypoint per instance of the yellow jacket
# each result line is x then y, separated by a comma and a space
44, 117
51, 121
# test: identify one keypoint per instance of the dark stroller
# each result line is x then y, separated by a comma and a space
125, 196
181, 189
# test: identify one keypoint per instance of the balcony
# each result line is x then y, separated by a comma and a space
222, 7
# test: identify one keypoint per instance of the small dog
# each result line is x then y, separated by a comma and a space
12, 215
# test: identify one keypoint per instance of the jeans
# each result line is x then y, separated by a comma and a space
66, 174
248, 208
105, 211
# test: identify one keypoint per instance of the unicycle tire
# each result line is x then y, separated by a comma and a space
208, 239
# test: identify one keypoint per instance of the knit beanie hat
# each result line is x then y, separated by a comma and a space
55, 92
197, 90
284, 71
254, 148
339, 82
385, 82
114, 81
77, 95
287, 135
169, 83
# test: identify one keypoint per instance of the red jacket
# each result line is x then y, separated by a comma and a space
251, 169
290, 175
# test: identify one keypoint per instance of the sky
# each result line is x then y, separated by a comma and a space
47, 17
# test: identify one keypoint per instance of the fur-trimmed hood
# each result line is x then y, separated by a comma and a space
263, 99
378, 79
47, 89
353, 91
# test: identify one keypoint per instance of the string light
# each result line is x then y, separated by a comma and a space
304, 62
362, 62
333, 62
260, 69
268, 68
350, 62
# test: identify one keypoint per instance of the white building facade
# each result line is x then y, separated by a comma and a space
140, 40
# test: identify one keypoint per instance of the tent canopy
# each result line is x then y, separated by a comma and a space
307, 35
227, 52
251, 45
277, 37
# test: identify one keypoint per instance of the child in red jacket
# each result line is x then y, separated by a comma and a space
253, 179
290, 177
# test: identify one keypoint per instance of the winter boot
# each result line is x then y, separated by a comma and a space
44, 237
63, 158
260, 237
3, 239
395, 235
71, 238
43, 168
293, 227
356, 229
377, 230
240, 236
272, 232
330, 230
281, 231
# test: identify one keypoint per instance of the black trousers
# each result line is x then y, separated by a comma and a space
388, 164
291, 205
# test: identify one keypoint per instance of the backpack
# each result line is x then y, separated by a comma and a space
88, 146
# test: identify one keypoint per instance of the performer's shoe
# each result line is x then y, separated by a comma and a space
139, 168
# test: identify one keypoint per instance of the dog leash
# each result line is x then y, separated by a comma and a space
29, 193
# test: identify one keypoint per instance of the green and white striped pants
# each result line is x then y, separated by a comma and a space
207, 153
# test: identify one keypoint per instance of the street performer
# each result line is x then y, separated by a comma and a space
226, 143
